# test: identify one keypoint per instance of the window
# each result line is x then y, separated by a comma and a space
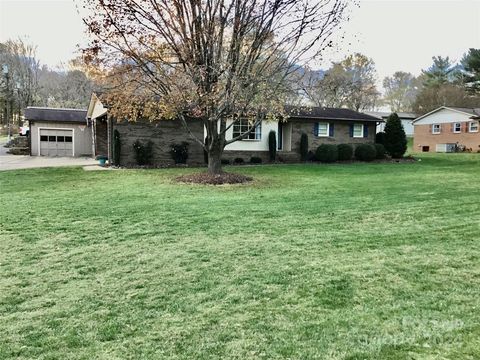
60, 138
68, 139
457, 128
52, 138
244, 125
436, 129
473, 126
44, 138
358, 130
323, 129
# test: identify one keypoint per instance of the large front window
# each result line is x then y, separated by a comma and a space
244, 125
323, 129
358, 130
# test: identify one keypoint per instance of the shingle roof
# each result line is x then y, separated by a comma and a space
324, 113
56, 115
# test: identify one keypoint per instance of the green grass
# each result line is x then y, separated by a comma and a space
378, 261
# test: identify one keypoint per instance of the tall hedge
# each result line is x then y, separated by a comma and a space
272, 145
395, 140
116, 147
303, 147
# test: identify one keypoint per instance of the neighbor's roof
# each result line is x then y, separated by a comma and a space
475, 112
384, 115
55, 114
324, 113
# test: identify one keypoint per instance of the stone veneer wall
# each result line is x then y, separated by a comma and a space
163, 134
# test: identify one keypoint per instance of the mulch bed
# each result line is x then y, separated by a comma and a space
220, 179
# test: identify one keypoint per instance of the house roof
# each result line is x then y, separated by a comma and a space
384, 115
324, 113
475, 112
55, 114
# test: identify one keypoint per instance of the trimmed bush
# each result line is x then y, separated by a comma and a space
380, 138
116, 147
365, 152
327, 153
143, 152
238, 161
303, 147
179, 152
345, 152
272, 145
311, 156
255, 160
225, 161
395, 139
380, 149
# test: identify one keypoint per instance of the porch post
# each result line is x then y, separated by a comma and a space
109, 139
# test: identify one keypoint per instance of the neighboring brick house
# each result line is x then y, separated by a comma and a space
322, 125
447, 128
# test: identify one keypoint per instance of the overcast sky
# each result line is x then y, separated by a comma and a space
397, 34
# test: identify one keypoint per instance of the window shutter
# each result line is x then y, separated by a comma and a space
351, 130
315, 129
365, 130
331, 129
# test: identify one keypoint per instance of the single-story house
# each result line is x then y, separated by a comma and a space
447, 128
58, 132
322, 125
405, 117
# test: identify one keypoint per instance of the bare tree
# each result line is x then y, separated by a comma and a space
213, 60
401, 90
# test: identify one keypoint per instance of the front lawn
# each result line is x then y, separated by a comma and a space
378, 261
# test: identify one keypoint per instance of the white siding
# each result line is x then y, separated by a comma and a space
82, 136
254, 145
444, 116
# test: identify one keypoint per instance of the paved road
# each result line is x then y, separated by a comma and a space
3, 150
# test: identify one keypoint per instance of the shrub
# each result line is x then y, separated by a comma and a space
303, 147
327, 153
179, 152
255, 160
395, 139
345, 152
365, 152
272, 145
143, 152
380, 149
311, 156
238, 161
225, 162
116, 147
380, 138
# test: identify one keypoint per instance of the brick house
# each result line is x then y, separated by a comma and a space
447, 128
322, 125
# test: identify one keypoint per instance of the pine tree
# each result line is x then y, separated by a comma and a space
395, 140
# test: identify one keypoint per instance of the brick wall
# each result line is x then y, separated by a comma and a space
163, 134
423, 137
341, 134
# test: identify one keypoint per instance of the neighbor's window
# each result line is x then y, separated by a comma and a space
436, 129
473, 126
357, 130
323, 129
457, 128
243, 125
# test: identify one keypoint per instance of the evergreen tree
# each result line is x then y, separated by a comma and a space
395, 138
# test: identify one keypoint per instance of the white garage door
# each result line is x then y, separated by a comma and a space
56, 142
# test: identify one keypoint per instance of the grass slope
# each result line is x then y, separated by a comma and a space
330, 262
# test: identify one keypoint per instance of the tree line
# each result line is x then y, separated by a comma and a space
24, 81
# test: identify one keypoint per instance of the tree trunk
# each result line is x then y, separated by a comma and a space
215, 162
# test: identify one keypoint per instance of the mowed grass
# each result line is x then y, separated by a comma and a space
364, 261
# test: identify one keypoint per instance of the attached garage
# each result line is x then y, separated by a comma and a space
59, 132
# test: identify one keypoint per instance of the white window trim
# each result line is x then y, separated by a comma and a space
53, 128
470, 126
253, 132
439, 129
328, 129
363, 130
455, 126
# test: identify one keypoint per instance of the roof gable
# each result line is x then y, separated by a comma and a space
443, 115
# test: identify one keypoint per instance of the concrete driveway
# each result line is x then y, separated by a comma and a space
14, 162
